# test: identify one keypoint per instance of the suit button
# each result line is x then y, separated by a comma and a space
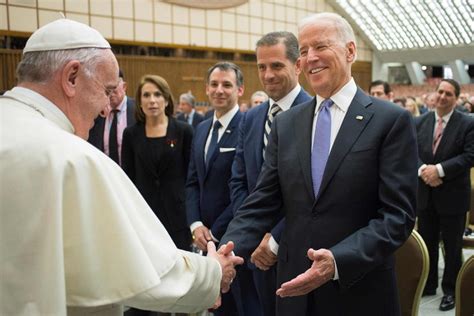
314, 215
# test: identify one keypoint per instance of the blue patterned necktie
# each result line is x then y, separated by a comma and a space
213, 143
321, 145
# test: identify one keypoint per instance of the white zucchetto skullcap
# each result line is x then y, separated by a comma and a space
64, 34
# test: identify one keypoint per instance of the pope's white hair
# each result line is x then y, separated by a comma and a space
40, 67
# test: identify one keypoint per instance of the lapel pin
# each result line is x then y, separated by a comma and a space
359, 117
227, 131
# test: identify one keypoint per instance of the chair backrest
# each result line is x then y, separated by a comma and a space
412, 266
465, 289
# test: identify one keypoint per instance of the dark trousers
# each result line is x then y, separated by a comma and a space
451, 228
265, 284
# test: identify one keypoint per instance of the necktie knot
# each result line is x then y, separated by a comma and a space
217, 125
326, 104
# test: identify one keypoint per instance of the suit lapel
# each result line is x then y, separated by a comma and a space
302, 128
200, 140
259, 126
348, 134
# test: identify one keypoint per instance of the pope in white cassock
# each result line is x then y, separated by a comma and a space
76, 237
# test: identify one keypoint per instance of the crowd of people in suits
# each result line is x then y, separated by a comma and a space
316, 192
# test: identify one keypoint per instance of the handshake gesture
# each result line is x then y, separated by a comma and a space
227, 261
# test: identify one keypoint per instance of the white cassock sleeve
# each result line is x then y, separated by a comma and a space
74, 230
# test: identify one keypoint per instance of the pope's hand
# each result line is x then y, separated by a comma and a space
322, 270
227, 261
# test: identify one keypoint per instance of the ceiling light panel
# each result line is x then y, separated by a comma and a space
413, 24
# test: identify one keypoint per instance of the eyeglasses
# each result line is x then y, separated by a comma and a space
107, 90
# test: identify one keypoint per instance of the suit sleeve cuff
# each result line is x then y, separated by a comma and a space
273, 245
440, 170
195, 225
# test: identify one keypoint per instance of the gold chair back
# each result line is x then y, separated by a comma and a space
412, 266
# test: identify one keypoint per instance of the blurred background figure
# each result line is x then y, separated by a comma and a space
257, 98
381, 89
401, 102
106, 134
412, 107
244, 107
188, 113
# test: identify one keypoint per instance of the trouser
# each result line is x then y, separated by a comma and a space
451, 228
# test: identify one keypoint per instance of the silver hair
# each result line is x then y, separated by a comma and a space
188, 98
258, 94
344, 29
39, 67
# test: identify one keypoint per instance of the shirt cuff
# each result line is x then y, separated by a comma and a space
195, 225
423, 166
336, 273
440, 170
273, 245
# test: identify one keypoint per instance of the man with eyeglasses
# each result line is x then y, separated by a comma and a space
106, 134
76, 236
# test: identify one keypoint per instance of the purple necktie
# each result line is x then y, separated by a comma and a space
321, 145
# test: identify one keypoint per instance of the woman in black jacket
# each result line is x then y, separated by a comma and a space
155, 155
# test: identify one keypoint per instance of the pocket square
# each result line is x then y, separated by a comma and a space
225, 150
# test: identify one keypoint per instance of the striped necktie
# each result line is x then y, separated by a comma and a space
274, 110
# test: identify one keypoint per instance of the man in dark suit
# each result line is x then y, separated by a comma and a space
208, 203
188, 113
348, 193
446, 155
278, 70
120, 116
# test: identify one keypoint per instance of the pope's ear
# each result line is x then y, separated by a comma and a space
69, 77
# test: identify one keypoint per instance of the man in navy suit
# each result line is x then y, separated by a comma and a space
188, 112
278, 70
208, 205
342, 170
123, 108
446, 156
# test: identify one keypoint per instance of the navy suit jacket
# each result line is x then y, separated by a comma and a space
364, 211
197, 118
96, 133
207, 189
455, 153
249, 155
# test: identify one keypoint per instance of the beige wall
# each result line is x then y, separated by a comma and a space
155, 22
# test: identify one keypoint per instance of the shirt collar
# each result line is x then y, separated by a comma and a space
286, 102
123, 106
44, 106
226, 118
445, 117
343, 98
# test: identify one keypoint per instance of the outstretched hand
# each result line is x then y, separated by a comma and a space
227, 261
322, 270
